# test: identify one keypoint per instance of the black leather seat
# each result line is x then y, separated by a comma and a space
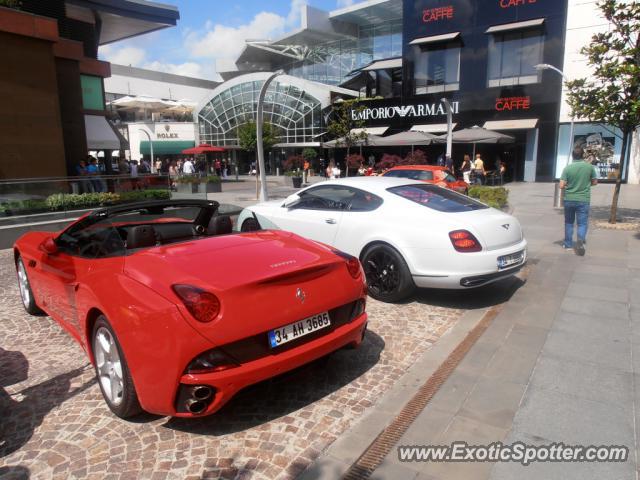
141, 236
220, 225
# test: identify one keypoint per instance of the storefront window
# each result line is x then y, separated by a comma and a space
602, 145
513, 56
437, 68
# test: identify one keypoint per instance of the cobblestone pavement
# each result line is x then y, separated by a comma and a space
54, 423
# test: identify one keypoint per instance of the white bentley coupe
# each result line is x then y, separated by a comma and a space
406, 233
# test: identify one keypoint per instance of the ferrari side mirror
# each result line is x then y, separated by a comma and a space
49, 246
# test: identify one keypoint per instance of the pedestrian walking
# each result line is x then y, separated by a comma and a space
577, 180
465, 168
478, 168
305, 169
188, 167
449, 164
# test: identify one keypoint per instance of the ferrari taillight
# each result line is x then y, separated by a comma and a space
202, 305
464, 241
353, 264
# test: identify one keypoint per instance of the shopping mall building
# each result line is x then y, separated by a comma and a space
53, 110
405, 57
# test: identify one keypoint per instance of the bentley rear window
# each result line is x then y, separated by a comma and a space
437, 198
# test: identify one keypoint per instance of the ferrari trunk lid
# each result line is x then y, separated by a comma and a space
263, 280
494, 228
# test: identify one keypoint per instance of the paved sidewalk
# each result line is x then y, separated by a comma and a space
560, 363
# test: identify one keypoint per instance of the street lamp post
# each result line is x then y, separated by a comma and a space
150, 148
546, 66
447, 104
259, 147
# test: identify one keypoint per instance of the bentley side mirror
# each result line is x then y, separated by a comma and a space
291, 200
49, 246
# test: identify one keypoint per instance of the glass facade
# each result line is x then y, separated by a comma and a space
512, 57
331, 62
296, 114
437, 68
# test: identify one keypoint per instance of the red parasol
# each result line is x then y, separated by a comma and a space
202, 148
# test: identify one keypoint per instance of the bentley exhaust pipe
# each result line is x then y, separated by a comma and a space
196, 406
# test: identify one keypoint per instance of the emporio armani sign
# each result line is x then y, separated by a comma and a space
402, 111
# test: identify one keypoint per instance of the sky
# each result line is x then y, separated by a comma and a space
210, 34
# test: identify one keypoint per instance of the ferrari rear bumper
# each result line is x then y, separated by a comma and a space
227, 383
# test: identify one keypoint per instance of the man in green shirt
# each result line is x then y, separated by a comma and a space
577, 180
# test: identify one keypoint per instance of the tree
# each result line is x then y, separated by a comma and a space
309, 154
247, 136
342, 123
612, 96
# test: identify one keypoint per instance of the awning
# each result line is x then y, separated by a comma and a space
445, 37
370, 130
515, 26
100, 135
298, 144
432, 128
384, 64
166, 148
522, 124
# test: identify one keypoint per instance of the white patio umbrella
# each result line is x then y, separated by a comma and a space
408, 138
370, 140
142, 102
476, 135
182, 106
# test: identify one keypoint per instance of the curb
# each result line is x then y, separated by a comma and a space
348, 448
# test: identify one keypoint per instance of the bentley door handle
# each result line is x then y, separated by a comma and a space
332, 221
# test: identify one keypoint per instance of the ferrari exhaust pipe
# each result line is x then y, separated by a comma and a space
196, 406
200, 392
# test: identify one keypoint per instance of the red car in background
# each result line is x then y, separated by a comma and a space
429, 174
178, 312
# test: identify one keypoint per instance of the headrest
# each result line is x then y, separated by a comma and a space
141, 236
220, 225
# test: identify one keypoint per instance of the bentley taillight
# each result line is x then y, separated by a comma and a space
202, 305
464, 241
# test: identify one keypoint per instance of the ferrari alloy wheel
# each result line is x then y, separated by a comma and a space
112, 371
26, 293
388, 276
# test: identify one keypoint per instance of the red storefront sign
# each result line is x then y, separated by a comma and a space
513, 103
514, 3
439, 13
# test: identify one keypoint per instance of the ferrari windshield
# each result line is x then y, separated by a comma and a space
437, 198
122, 230
412, 174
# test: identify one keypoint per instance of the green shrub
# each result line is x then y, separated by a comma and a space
293, 173
197, 179
496, 197
71, 201
140, 195
17, 205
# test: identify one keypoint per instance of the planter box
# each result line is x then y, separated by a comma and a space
197, 188
294, 182
213, 187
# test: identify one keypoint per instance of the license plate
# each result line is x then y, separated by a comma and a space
506, 261
298, 329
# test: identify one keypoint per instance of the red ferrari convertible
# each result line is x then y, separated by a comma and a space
178, 312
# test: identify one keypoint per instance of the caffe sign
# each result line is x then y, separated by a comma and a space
403, 111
